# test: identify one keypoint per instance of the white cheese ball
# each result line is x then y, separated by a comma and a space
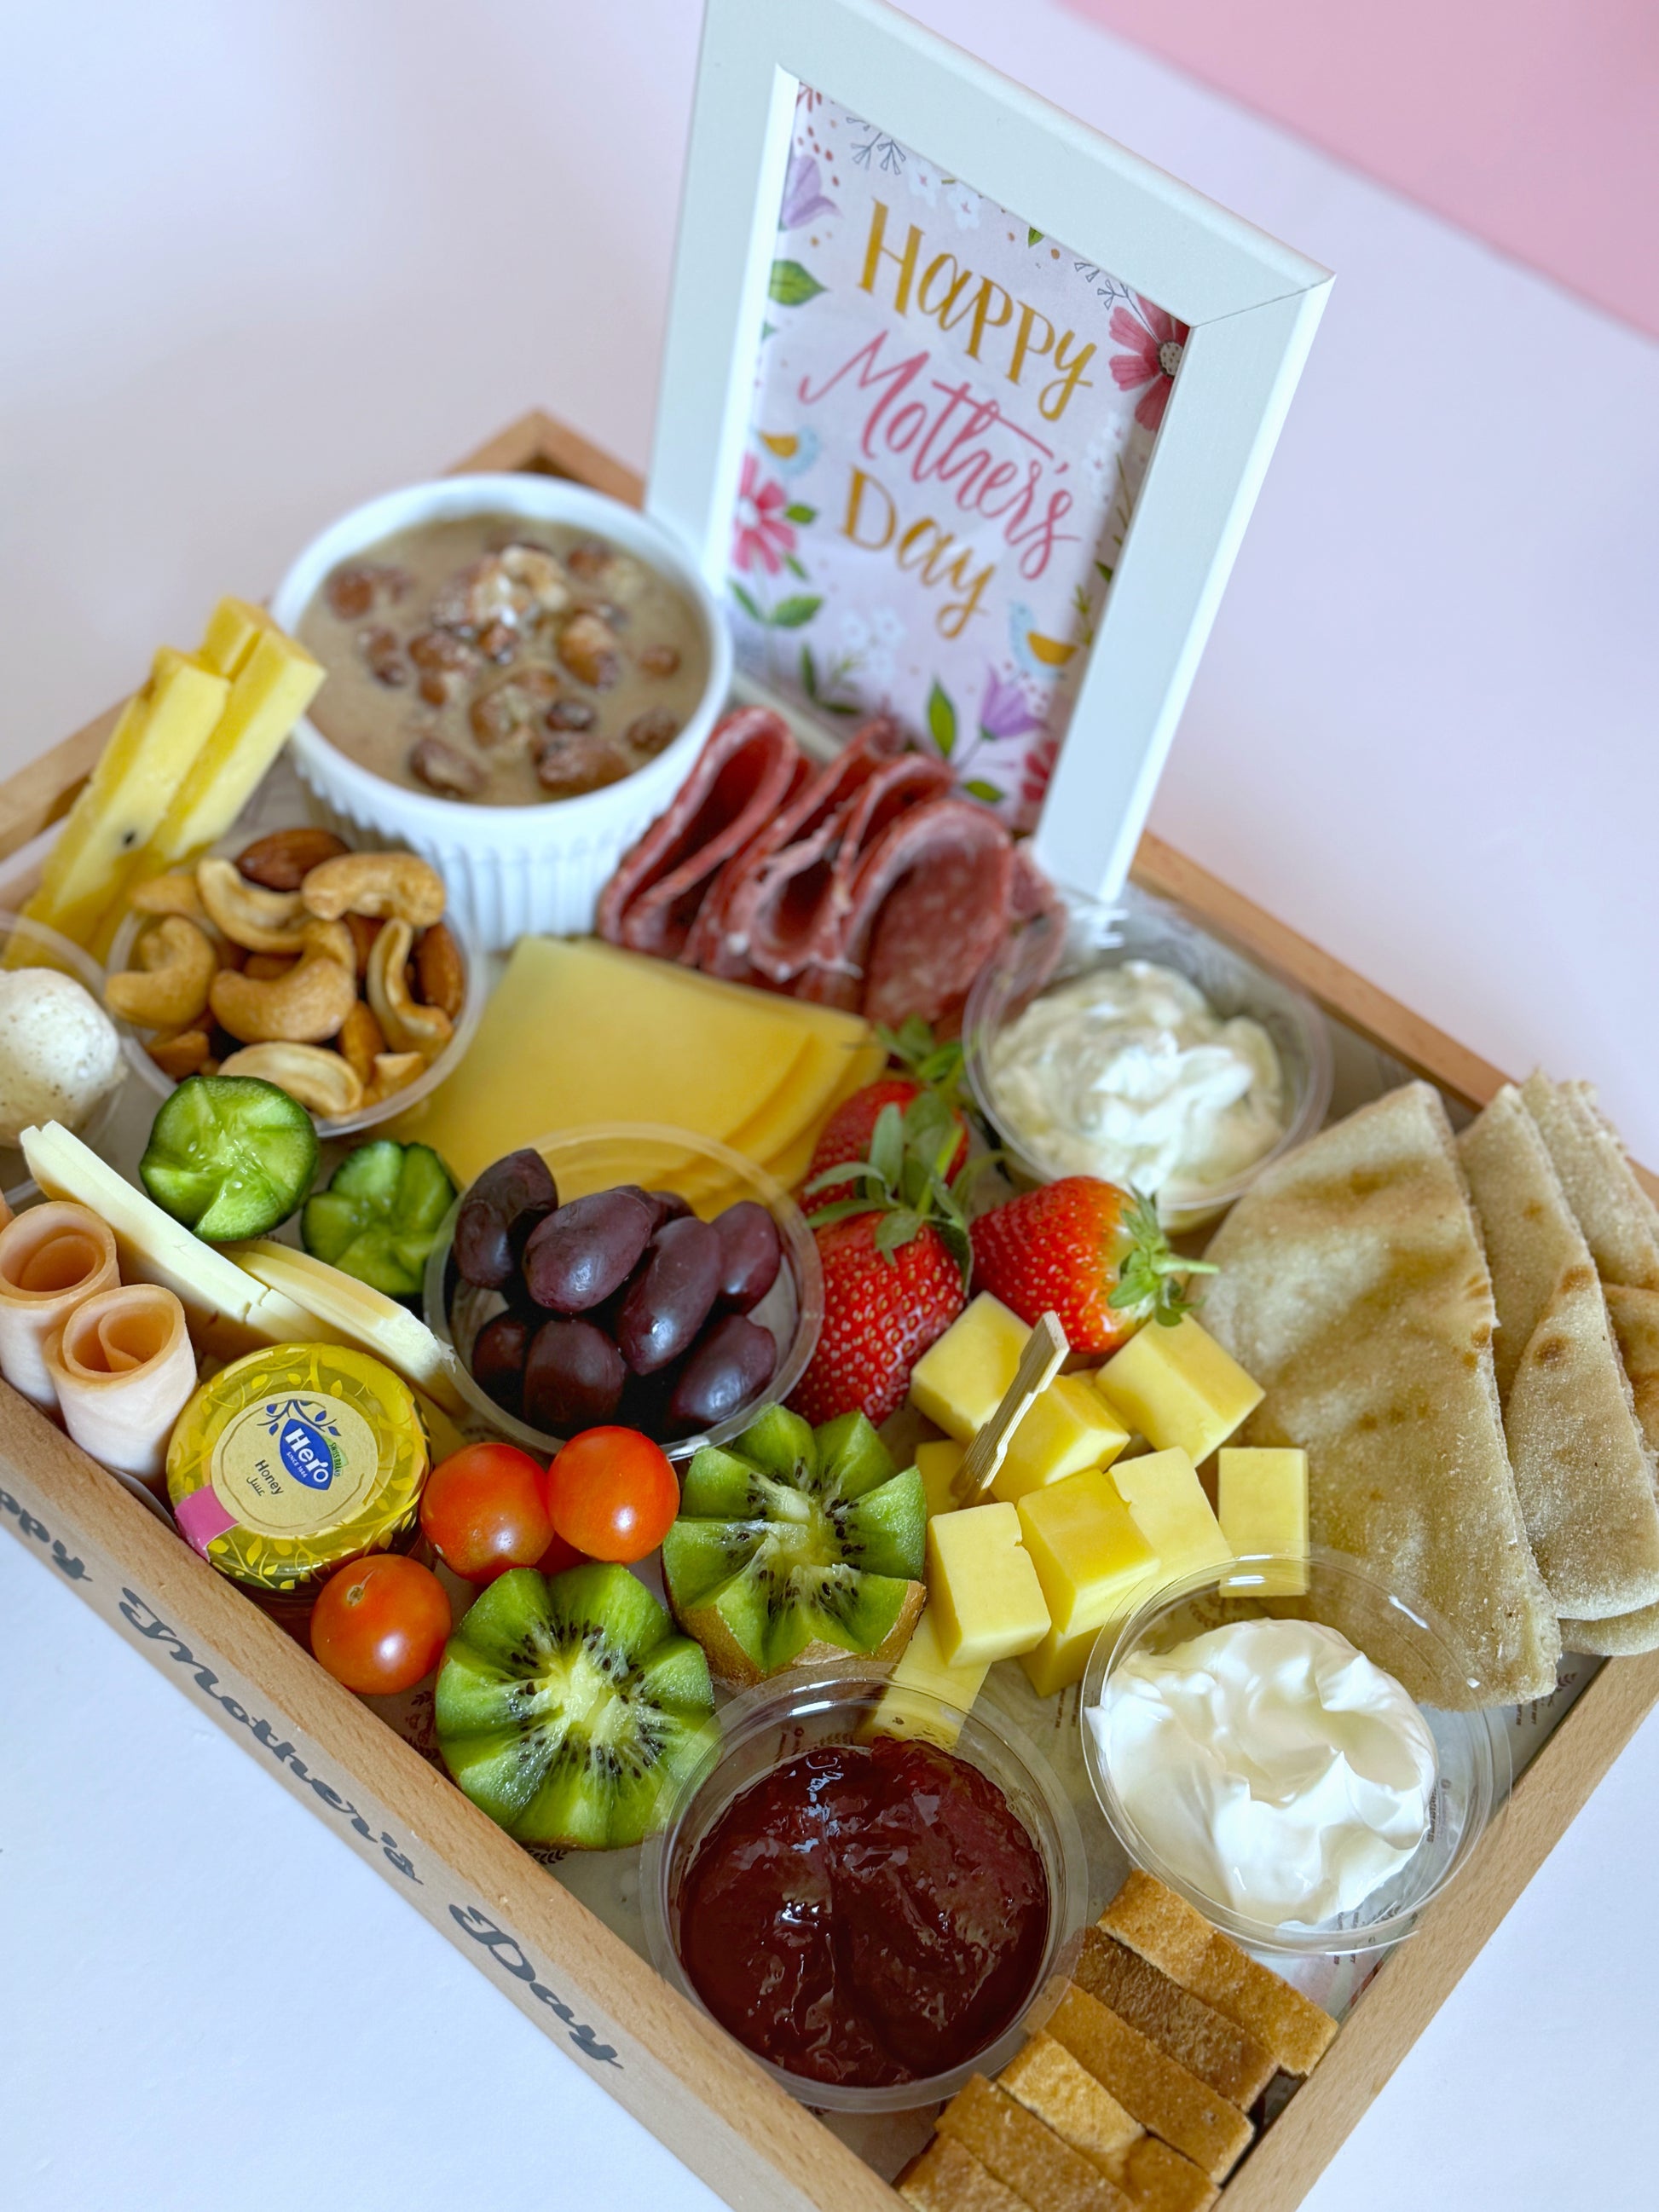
59, 1052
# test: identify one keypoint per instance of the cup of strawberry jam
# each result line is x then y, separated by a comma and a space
870, 1914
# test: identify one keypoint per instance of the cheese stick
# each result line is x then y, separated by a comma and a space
50, 1258
124, 1369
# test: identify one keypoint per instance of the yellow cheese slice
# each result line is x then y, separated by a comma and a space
277, 683
355, 1313
829, 1023
228, 1311
162, 731
577, 1033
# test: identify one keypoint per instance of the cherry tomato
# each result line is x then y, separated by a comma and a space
559, 1555
484, 1510
381, 1623
613, 1494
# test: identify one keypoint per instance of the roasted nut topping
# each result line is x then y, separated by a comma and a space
587, 647
442, 769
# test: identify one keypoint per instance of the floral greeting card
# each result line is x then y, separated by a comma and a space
953, 417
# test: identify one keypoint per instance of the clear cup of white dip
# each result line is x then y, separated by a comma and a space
1396, 1635
1057, 952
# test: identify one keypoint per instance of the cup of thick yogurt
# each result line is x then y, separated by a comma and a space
1310, 1770
1128, 1043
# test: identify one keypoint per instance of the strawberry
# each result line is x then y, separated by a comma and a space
1087, 1252
845, 1137
895, 1257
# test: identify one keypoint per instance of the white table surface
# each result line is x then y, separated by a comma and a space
259, 263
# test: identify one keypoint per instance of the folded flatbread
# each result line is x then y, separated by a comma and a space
1618, 1218
1583, 1471
1352, 1287
1635, 1317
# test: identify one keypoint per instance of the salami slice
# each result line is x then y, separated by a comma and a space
892, 790
743, 775
928, 908
758, 921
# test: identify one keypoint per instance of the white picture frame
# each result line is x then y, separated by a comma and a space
1251, 304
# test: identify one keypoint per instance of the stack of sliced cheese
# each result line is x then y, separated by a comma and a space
578, 1032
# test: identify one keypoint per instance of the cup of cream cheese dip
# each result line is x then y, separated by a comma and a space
1127, 1042
520, 671
1309, 1771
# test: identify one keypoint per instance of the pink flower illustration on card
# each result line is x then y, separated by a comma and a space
761, 536
1034, 781
1155, 341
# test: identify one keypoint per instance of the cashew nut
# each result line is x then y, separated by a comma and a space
406, 1025
264, 921
388, 886
168, 895
305, 1007
320, 1081
168, 988
392, 1070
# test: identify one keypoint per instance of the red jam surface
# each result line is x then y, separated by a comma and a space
866, 1914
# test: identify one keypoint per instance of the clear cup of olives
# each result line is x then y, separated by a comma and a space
629, 1272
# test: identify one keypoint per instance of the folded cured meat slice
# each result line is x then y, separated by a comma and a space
928, 906
893, 790
761, 915
744, 774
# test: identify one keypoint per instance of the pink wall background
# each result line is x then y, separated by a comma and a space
1535, 124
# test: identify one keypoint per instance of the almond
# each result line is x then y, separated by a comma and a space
281, 861
439, 975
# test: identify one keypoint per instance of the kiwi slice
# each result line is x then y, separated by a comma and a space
796, 1545
569, 1710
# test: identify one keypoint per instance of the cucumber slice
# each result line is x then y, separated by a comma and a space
229, 1156
379, 1219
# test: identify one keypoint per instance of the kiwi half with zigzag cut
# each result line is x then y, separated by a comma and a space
796, 1545
570, 1710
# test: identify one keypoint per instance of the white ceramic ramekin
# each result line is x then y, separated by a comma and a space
513, 871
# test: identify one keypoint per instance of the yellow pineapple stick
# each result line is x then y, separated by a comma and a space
162, 729
276, 683
236, 628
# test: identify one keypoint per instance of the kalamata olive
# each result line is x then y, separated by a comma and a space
750, 1253
731, 1363
670, 1298
573, 1377
644, 1403
586, 1249
670, 1206
498, 1358
507, 1190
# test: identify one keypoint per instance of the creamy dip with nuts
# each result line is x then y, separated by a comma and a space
501, 660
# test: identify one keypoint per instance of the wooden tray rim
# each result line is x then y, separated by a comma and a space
684, 2081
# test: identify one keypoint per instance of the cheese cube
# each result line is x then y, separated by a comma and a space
1167, 1501
958, 1382
1178, 1388
1263, 1509
1066, 1428
1058, 1661
922, 1666
938, 1464
1088, 1554
982, 1587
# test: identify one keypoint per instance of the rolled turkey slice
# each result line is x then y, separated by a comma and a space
124, 1369
51, 1258
743, 775
928, 906
766, 897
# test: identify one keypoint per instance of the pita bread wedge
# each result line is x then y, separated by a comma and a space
1352, 1287
1615, 1213
1635, 1317
1582, 1469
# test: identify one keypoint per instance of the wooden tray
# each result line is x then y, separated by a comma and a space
594, 1997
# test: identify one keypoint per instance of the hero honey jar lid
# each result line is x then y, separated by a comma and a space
290, 1461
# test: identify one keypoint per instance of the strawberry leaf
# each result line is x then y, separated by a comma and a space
1151, 1282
